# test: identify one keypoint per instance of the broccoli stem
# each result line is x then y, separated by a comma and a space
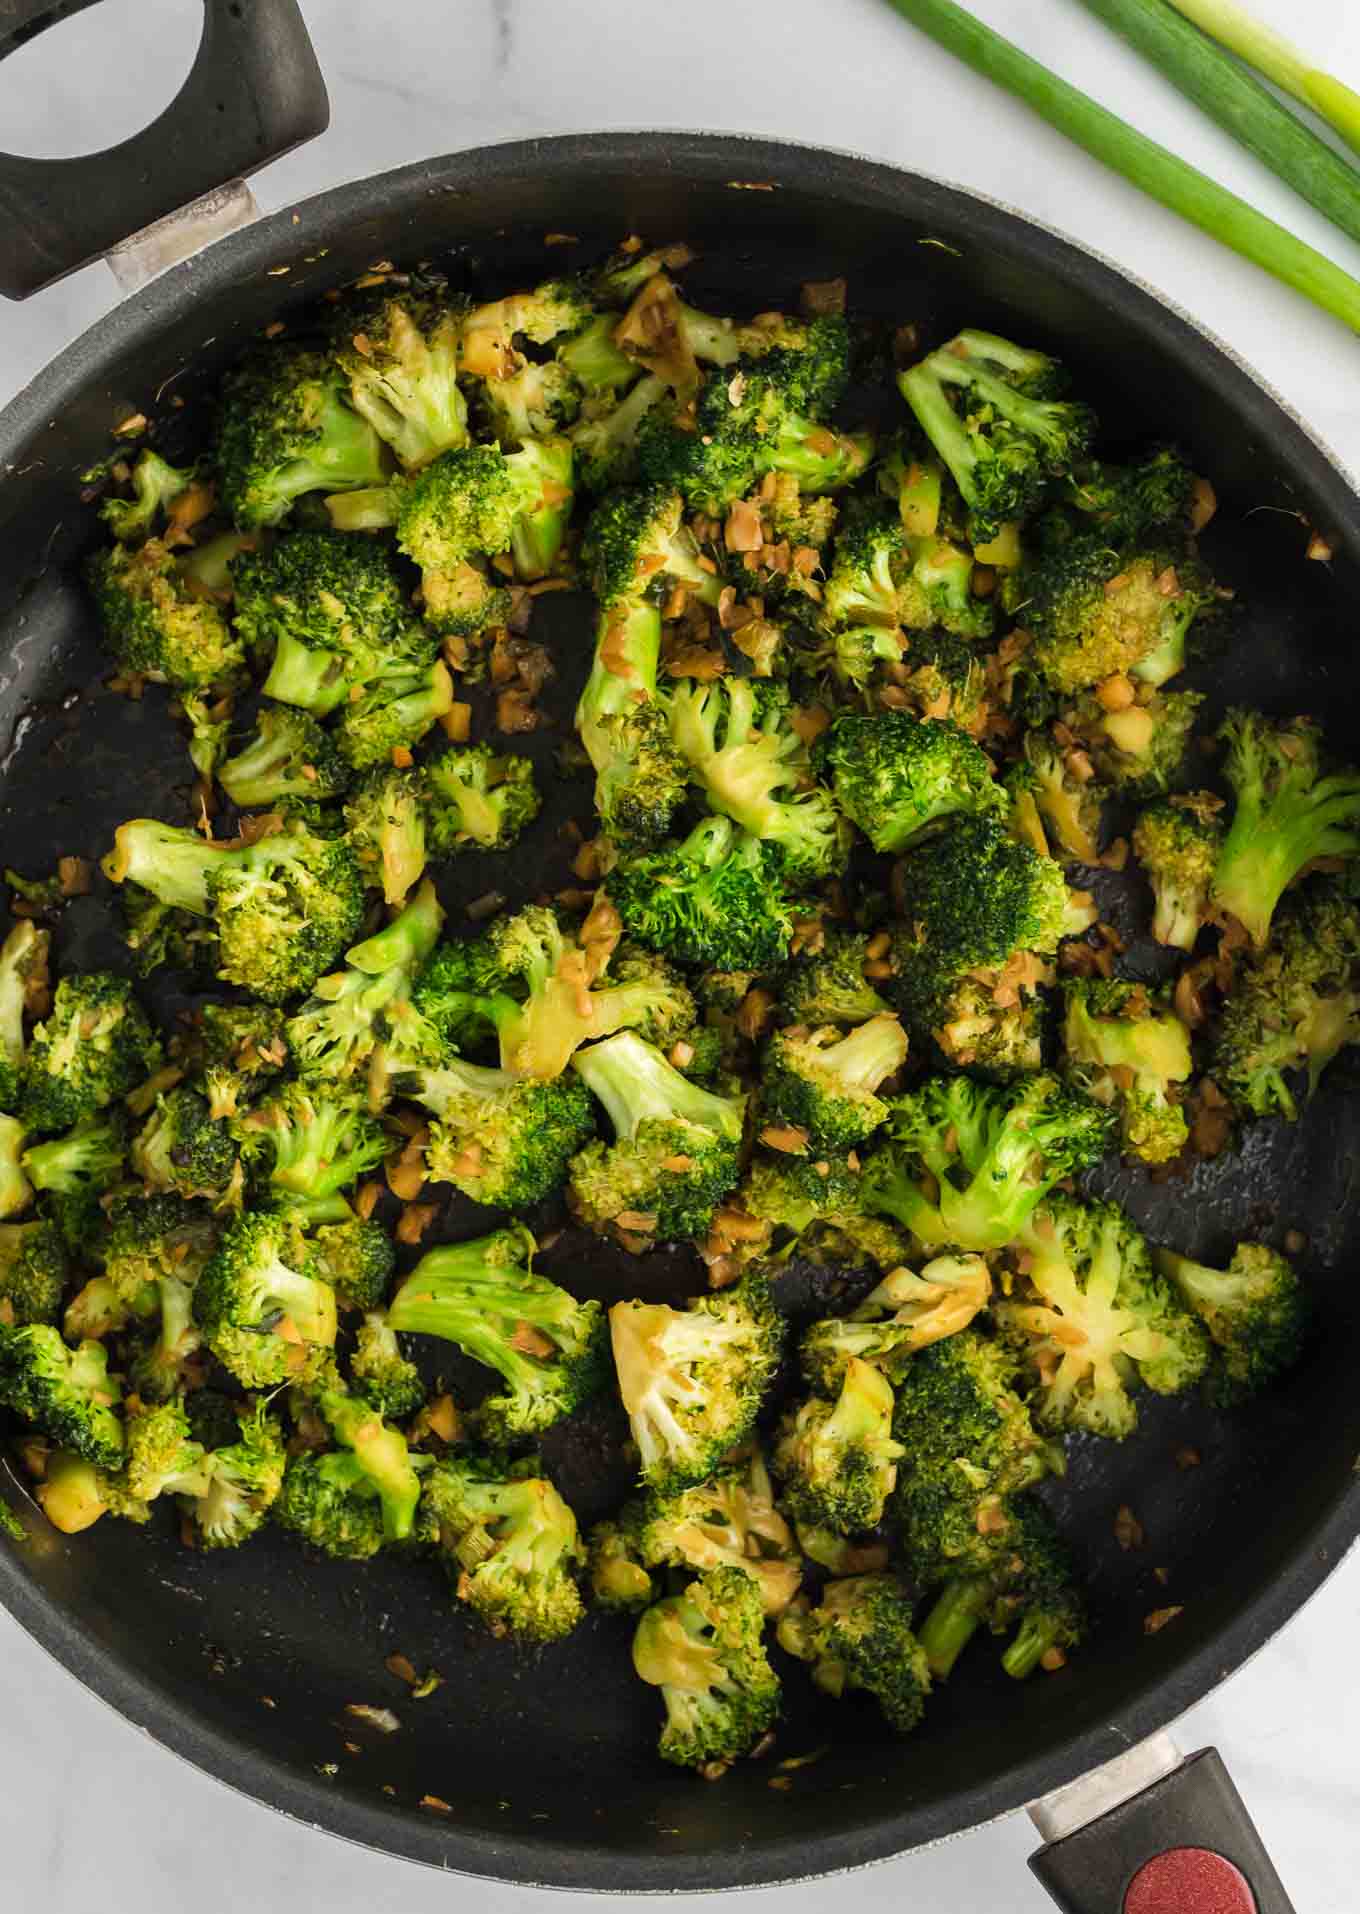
312, 681
406, 941
635, 1083
958, 1612
1037, 1633
172, 863
371, 509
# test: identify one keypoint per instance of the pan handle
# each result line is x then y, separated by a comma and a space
254, 91
1182, 1843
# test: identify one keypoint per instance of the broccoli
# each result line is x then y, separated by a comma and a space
154, 1236
262, 1317
991, 1022
703, 1650
180, 1147
896, 777
1140, 745
616, 1576
1286, 814
287, 429
96, 1311
1293, 1006
502, 1140
824, 1082
244, 1480
162, 1457
1129, 502
155, 620
356, 1258
1256, 1310
405, 941
23, 992
826, 983
752, 765
817, 1200
326, 610
993, 1151
1099, 612
636, 547
1127, 1048
156, 484
16, 1192
716, 898
289, 756
331, 1502
639, 775
993, 412
382, 1455
170, 1362
692, 1379
401, 358
675, 1149
539, 401
67, 1393
75, 1494
1177, 842
839, 662
479, 501
729, 1521
398, 705
880, 577
310, 1145
380, 1373
485, 1296
904, 1313
488, 332
1056, 806
336, 1031
510, 1545
478, 799
859, 1636
1027, 1587
33, 1272
94, 1046
233, 1048
605, 438
386, 820
284, 906
593, 361
1097, 1321
837, 1461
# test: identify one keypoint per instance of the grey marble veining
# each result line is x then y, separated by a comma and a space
84, 1800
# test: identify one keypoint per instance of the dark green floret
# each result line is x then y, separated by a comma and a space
1128, 502
1177, 843
827, 984
837, 1461
386, 825
704, 1650
263, 1318
510, 1545
23, 994
156, 624
33, 1272
356, 1257
307, 1145
859, 1636
825, 1081
380, 1373
287, 429
1125, 1045
156, 484
72, 1172
331, 1502
1096, 610
478, 799
1028, 1587
94, 1046
1256, 1310
288, 756
182, 1148
714, 899
896, 777
401, 358
67, 1393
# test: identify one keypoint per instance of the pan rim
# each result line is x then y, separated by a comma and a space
525, 1859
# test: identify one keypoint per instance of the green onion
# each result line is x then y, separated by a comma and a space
1270, 53
1240, 104
1140, 160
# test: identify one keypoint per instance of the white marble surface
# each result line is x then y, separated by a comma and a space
85, 1802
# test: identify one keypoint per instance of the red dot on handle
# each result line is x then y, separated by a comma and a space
1189, 1881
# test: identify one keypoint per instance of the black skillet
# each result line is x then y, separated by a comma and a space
245, 1662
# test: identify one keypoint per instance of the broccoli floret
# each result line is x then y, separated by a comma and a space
382, 1455
1127, 1047
716, 898
1177, 843
539, 401
593, 361
77, 1168
261, 1316
284, 907
992, 1023
399, 704
75, 1494
859, 1636
503, 1140
1098, 1321
479, 501
309, 1145
1067, 803
244, 1480
289, 756
510, 1545
1286, 814
837, 1461
33, 1273
236, 1047
485, 1296
838, 662
904, 1313
405, 941
675, 1148
1097, 611
336, 1031
1140, 746
896, 777
386, 820
618, 1580
692, 1379
170, 1362
636, 547
332, 1504
478, 799
16, 1192
326, 609
825, 1081
380, 1373
156, 484
882, 577
356, 1258
1028, 1583
489, 332
156, 623
992, 411
703, 1650
162, 1457
401, 358
1256, 1310
154, 1236
1293, 1006
816, 1200
23, 992
94, 1046
729, 1521
1130, 501
180, 1147
95, 1311
287, 429
827, 984
67, 1393
744, 754
605, 437
994, 1152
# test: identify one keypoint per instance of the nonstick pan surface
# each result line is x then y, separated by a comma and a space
246, 1662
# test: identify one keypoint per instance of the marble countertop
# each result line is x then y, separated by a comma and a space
85, 1800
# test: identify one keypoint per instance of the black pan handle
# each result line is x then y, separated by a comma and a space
1184, 1845
253, 92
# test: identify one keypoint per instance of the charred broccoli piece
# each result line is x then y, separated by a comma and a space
825, 1082
67, 1393
1256, 1310
288, 756
286, 429
903, 1313
261, 1315
157, 622
386, 822
94, 1046
1097, 612
182, 1148
897, 777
